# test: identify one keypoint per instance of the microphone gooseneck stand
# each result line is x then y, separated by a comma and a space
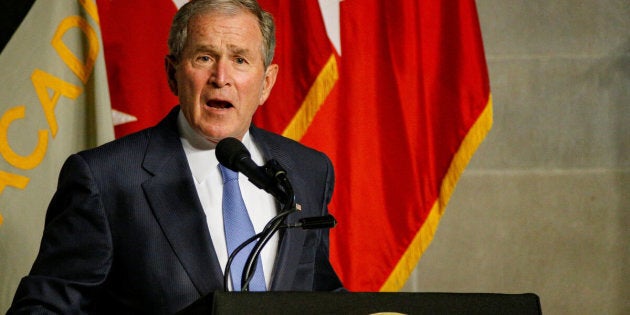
280, 175
288, 203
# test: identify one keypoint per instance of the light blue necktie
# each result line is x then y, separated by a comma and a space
238, 228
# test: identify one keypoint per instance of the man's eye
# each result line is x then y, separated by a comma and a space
240, 60
203, 59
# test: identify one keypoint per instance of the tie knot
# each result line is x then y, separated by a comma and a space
228, 174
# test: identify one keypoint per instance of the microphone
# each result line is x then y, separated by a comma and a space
311, 223
232, 154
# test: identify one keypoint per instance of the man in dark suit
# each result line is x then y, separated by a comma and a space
134, 225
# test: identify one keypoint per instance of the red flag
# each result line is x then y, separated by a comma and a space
302, 52
410, 105
134, 39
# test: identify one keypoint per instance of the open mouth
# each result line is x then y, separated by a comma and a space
219, 104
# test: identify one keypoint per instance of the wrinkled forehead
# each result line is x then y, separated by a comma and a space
237, 29
229, 11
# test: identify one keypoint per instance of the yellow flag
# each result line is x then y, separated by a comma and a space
54, 101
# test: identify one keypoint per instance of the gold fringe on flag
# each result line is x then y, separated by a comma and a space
316, 96
423, 238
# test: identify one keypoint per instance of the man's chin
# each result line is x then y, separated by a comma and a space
215, 136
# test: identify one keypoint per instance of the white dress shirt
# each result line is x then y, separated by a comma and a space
205, 170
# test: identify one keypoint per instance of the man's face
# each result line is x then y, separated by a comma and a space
220, 79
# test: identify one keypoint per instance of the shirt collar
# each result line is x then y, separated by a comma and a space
200, 152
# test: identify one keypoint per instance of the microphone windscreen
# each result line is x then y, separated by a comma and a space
229, 151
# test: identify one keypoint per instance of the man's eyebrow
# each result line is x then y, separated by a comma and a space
238, 50
209, 48
233, 49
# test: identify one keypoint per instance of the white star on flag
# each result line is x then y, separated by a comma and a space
119, 118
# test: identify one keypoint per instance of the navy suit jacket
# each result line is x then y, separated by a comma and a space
125, 231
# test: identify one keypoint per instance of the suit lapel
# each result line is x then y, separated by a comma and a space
173, 199
291, 240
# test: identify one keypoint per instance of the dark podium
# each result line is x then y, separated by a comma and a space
305, 303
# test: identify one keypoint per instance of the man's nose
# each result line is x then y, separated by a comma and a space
220, 76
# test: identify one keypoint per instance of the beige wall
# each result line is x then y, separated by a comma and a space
543, 206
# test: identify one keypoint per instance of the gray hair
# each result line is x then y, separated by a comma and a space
179, 28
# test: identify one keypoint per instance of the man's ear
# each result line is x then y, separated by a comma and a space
170, 65
270, 79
